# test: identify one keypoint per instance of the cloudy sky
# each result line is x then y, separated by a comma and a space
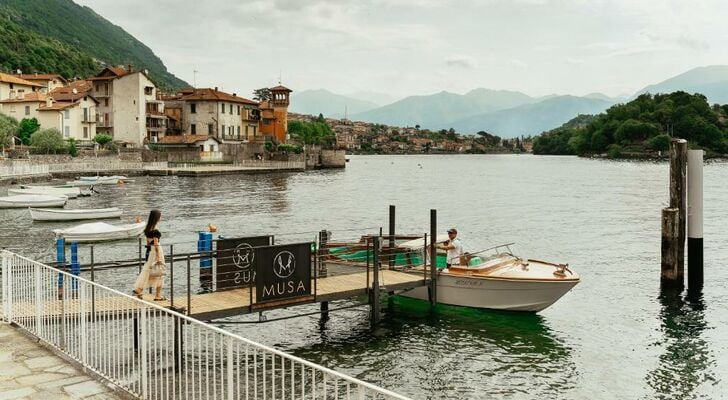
420, 47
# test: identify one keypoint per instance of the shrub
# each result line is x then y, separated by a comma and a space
270, 147
102, 138
72, 149
659, 142
614, 151
48, 140
8, 129
26, 129
290, 148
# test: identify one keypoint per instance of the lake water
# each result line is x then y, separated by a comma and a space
613, 336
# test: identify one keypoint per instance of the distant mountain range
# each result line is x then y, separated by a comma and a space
500, 112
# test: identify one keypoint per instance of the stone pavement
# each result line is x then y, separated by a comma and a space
31, 371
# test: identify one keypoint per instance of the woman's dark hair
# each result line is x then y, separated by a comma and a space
154, 216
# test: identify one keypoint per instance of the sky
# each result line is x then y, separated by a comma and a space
409, 47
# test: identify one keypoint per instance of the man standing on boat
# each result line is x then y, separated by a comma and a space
454, 247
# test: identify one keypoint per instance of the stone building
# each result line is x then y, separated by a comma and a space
274, 114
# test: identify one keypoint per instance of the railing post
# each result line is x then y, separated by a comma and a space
230, 369
84, 333
143, 337
38, 299
7, 287
171, 276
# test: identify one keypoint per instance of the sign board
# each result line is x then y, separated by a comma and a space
235, 260
283, 272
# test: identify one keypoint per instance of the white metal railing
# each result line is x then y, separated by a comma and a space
245, 164
156, 353
93, 166
23, 170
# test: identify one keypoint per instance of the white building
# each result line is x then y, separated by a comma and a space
12, 87
129, 109
49, 82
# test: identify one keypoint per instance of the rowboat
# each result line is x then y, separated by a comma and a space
100, 232
43, 214
105, 180
70, 192
32, 200
500, 280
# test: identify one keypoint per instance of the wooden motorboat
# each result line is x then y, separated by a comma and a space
70, 192
32, 200
100, 232
42, 214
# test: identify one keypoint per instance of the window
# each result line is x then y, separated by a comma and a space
148, 90
85, 132
193, 108
238, 110
11, 86
106, 102
222, 108
66, 114
193, 129
238, 130
27, 110
85, 114
231, 109
222, 130
66, 131
210, 129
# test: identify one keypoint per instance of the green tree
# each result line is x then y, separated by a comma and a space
26, 129
102, 139
262, 94
660, 143
48, 140
318, 133
8, 129
72, 149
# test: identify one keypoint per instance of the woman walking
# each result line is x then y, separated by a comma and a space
155, 257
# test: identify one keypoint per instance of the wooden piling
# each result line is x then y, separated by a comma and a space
695, 221
678, 198
391, 236
433, 257
376, 316
671, 276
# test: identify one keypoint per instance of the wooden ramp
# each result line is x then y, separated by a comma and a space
227, 303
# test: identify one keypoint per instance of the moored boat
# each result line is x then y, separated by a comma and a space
100, 232
104, 180
70, 192
42, 214
32, 200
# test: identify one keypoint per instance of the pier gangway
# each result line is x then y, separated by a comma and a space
153, 352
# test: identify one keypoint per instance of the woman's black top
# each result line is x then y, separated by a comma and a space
151, 235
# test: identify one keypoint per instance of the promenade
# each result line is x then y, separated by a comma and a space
31, 371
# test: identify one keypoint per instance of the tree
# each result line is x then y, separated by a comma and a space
48, 140
26, 129
8, 129
321, 118
72, 149
660, 142
262, 94
102, 139
318, 133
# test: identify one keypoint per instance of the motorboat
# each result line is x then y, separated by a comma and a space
105, 180
70, 192
100, 232
43, 214
499, 280
32, 200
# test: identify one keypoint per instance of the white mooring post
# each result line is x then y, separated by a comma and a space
695, 219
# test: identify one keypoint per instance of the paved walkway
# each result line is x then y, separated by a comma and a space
30, 371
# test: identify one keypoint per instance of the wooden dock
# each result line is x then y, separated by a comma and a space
228, 303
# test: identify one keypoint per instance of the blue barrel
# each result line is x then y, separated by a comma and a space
60, 258
75, 265
204, 243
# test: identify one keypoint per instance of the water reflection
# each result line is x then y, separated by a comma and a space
687, 358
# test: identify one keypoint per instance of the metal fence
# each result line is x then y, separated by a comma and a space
243, 164
156, 353
23, 170
80, 167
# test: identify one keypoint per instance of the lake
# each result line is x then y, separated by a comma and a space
614, 336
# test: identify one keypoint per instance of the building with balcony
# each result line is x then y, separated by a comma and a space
205, 111
274, 114
130, 109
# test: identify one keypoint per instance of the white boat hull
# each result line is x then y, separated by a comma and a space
41, 214
70, 192
102, 180
100, 232
493, 293
32, 200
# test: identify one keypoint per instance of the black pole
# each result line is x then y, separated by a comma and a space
171, 276
136, 333
93, 288
189, 288
392, 218
433, 257
177, 343
375, 283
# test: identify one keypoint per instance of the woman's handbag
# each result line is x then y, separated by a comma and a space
158, 269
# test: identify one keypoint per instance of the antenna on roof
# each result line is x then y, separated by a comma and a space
280, 77
194, 78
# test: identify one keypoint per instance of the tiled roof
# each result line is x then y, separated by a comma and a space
110, 73
33, 97
82, 88
40, 77
208, 94
281, 88
184, 139
7, 78
59, 105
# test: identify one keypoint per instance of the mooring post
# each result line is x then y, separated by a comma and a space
678, 198
391, 236
695, 220
171, 276
323, 240
60, 262
325, 308
375, 281
433, 257
75, 265
670, 238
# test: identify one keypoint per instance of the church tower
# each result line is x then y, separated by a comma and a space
279, 100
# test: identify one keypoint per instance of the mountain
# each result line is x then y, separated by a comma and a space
62, 36
438, 110
711, 81
329, 104
531, 119
377, 98
602, 96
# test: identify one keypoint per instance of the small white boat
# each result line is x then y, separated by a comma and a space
32, 200
81, 183
104, 180
70, 192
43, 214
100, 231
501, 281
